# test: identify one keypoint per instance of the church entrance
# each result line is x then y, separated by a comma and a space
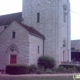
13, 59
12, 54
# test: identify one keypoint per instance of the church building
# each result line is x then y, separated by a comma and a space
42, 28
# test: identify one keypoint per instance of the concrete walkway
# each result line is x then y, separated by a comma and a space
37, 75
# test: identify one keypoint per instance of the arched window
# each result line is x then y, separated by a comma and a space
12, 48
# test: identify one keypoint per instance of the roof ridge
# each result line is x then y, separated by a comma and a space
33, 30
7, 19
10, 14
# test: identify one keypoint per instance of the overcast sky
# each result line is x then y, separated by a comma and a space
12, 6
75, 19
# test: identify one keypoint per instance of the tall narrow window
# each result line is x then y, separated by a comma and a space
13, 34
38, 17
5, 27
65, 12
64, 43
63, 55
38, 49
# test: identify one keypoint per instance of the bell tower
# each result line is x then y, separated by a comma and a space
52, 19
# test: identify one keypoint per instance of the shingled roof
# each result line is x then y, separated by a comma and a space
74, 43
32, 30
9, 18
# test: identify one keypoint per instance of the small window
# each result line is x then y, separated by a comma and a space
73, 48
64, 43
38, 49
38, 17
13, 34
5, 27
12, 49
65, 7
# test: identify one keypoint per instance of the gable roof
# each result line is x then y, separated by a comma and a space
32, 30
9, 18
74, 43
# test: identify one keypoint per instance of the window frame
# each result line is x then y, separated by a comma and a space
13, 34
38, 17
38, 49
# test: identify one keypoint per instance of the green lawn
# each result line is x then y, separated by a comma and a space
37, 78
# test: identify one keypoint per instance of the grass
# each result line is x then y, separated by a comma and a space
38, 78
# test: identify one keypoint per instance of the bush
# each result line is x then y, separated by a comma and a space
17, 69
32, 68
49, 71
46, 62
61, 69
67, 66
40, 71
55, 70
71, 68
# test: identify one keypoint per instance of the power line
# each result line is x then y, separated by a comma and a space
75, 12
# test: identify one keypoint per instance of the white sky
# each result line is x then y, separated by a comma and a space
12, 6
75, 19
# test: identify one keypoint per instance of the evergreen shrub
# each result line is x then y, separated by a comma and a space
46, 62
17, 69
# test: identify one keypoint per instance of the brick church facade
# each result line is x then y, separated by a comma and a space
42, 28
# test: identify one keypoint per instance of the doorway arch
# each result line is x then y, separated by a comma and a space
12, 54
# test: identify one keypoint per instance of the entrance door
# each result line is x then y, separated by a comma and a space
13, 59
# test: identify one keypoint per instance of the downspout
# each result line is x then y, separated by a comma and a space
43, 47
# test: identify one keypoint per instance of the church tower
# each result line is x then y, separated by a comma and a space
52, 19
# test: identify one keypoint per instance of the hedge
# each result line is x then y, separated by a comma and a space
17, 69
68, 66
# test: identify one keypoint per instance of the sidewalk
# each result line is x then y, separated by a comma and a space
37, 75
